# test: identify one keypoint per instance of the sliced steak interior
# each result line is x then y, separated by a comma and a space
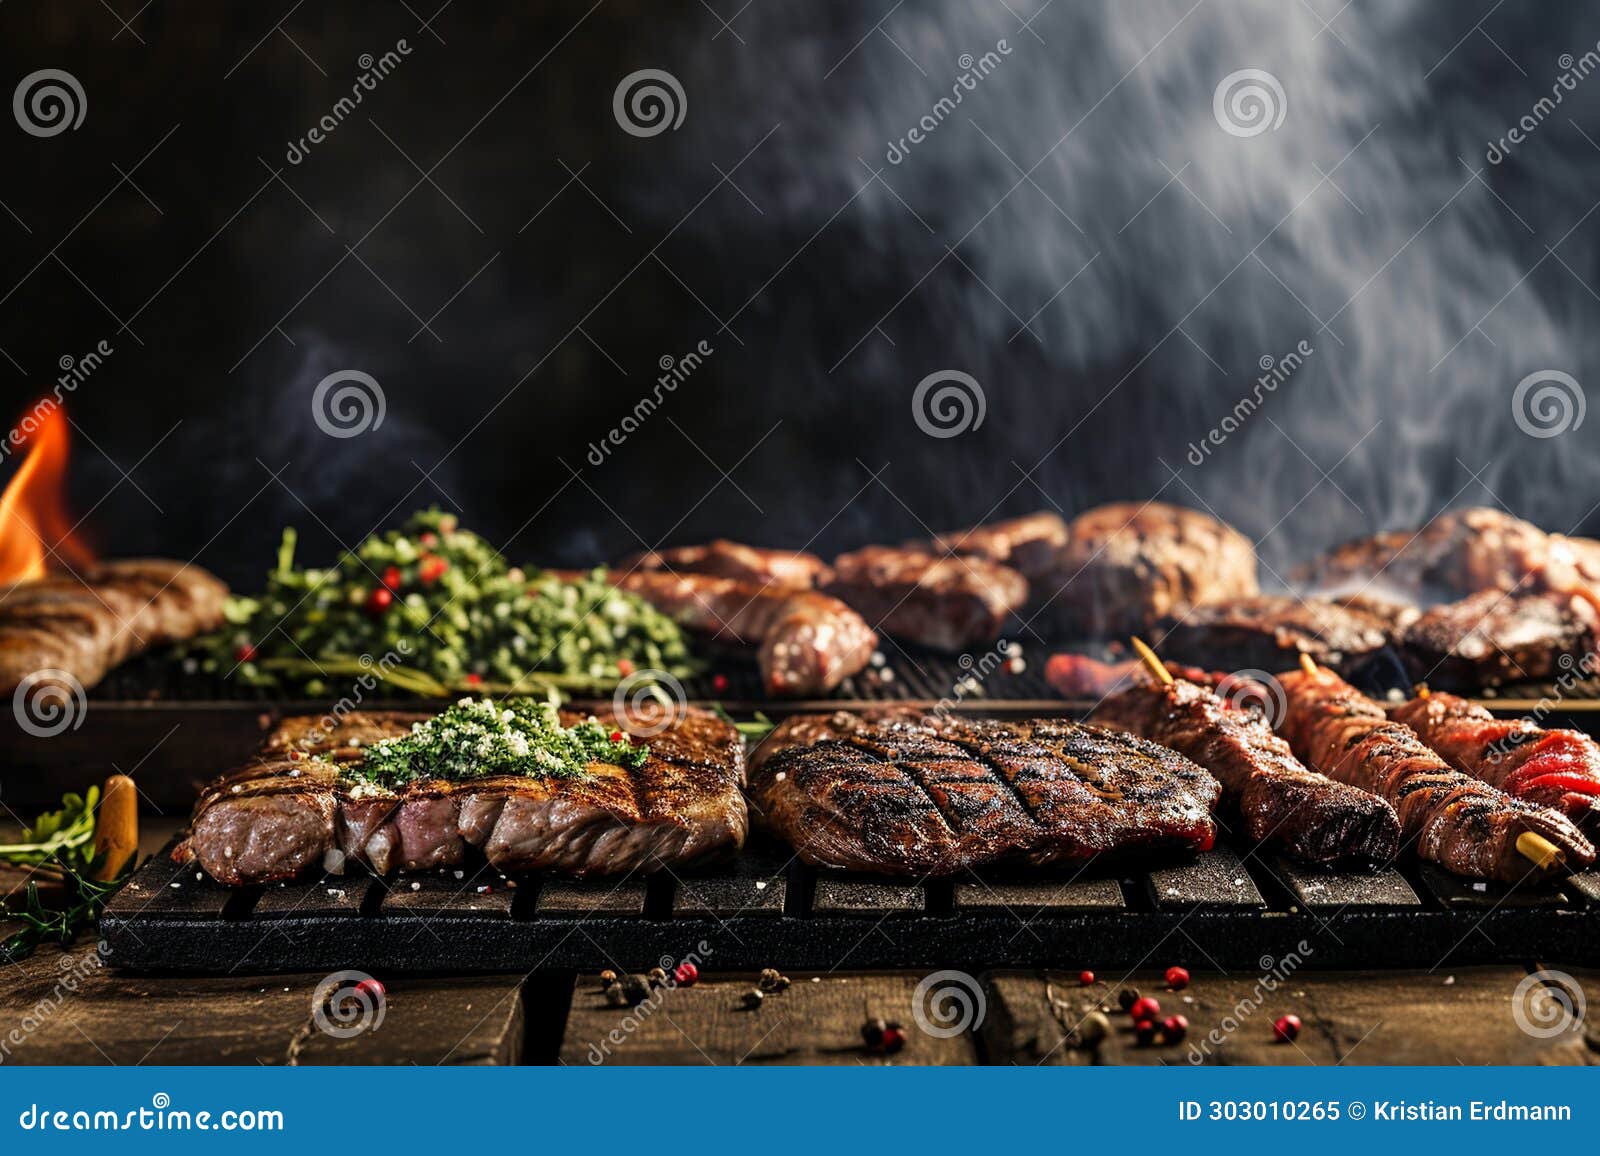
1270, 631
1127, 566
1493, 637
292, 812
935, 796
779, 569
1310, 816
1028, 544
945, 603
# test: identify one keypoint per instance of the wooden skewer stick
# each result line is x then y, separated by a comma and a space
116, 832
1309, 664
1422, 690
1539, 851
1153, 663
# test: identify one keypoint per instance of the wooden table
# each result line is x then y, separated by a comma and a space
63, 1009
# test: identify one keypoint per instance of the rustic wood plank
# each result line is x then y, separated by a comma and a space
483, 893
845, 895
340, 895
105, 1017
1215, 879
748, 886
1369, 1017
1337, 891
1031, 897
816, 1021
580, 898
172, 891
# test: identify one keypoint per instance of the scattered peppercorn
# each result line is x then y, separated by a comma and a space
894, 1038
1127, 997
1094, 1028
719, 682
658, 976
753, 998
1145, 1032
1177, 978
371, 988
1286, 1028
635, 989
1145, 1008
872, 1033
1086, 978
607, 978
686, 974
772, 980
1174, 1028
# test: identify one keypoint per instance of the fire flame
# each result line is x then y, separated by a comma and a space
35, 528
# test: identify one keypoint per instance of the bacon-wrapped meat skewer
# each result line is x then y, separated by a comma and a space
1553, 768
1464, 825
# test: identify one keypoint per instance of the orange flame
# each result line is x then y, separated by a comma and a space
35, 528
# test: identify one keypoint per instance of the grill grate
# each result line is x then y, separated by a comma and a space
765, 908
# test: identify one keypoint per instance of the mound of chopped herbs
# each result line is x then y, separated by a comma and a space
432, 609
477, 738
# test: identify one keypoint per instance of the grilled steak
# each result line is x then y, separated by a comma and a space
1493, 637
291, 812
1307, 815
778, 569
934, 796
809, 642
1028, 544
1463, 825
118, 610
942, 603
1553, 768
1126, 566
1268, 632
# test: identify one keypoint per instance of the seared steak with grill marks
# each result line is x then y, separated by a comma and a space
942, 603
1028, 544
1308, 815
1126, 566
778, 569
1269, 632
1494, 637
934, 796
291, 811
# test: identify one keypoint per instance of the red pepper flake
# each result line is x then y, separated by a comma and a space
295, 756
429, 538
474, 679
432, 569
616, 736
245, 653
625, 665
391, 577
379, 601
719, 682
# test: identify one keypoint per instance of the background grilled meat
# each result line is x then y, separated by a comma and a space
939, 602
1494, 637
1453, 820
1553, 768
1270, 631
118, 610
289, 812
809, 642
779, 569
1126, 566
934, 796
1283, 804
1028, 544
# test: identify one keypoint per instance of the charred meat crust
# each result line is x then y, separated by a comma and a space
779, 569
941, 602
1269, 632
1493, 637
290, 812
916, 796
1028, 544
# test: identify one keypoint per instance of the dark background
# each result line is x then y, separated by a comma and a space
1080, 236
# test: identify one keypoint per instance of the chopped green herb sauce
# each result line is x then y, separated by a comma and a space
477, 738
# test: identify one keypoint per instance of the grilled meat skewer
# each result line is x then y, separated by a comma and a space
117, 610
1309, 816
1465, 826
778, 569
1552, 768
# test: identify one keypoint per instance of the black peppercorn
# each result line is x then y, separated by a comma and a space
1127, 997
